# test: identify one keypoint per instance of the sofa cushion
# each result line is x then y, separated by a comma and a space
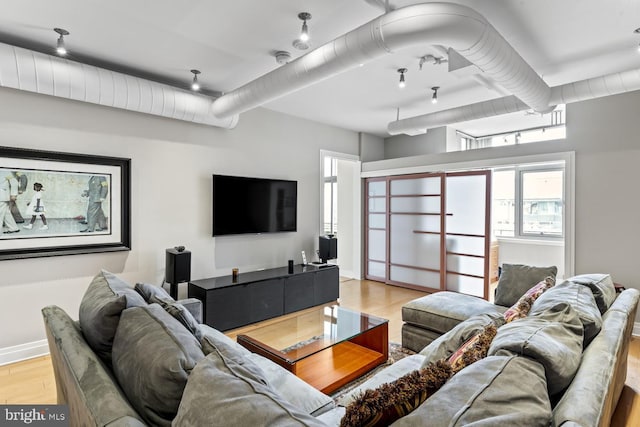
447, 344
100, 309
291, 388
522, 307
442, 311
552, 337
581, 300
496, 391
153, 355
516, 279
156, 294
237, 399
601, 286
390, 401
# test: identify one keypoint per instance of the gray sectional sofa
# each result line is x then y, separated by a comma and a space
137, 358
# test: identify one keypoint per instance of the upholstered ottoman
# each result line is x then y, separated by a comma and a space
428, 317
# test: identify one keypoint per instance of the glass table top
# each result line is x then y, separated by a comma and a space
298, 337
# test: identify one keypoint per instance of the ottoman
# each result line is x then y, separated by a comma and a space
431, 316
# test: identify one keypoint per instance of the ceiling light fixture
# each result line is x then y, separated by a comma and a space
195, 85
434, 97
401, 83
61, 48
304, 34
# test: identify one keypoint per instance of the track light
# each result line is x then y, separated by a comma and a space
434, 97
304, 33
195, 85
61, 48
401, 83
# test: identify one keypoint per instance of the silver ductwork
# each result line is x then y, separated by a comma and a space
611, 84
50, 75
456, 26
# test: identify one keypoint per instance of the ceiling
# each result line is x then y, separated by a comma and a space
233, 42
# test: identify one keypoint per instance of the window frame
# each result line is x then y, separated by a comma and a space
519, 171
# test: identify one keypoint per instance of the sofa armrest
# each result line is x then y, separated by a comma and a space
194, 306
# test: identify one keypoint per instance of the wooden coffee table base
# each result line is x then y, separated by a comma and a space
333, 367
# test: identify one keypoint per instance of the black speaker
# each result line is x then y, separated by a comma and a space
327, 248
178, 269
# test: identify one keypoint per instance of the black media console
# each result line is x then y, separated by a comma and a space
261, 295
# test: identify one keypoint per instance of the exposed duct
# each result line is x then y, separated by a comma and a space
611, 84
49, 75
456, 26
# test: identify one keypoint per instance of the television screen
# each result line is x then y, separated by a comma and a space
244, 205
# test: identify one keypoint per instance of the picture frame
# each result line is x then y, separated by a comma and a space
70, 203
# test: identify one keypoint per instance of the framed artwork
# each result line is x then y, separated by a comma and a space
55, 203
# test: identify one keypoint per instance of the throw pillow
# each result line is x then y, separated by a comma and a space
522, 307
153, 355
156, 294
516, 279
100, 309
391, 401
180, 313
445, 345
495, 391
601, 286
473, 350
220, 392
147, 291
581, 300
552, 337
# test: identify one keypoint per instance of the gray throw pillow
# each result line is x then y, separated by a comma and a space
238, 398
157, 295
180, 313
153, 355
495, 391
100, 309
516, 279
581, 300
601, 286
552, 337
147, 291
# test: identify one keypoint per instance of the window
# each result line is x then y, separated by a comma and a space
528, 201
330, 179
554, 128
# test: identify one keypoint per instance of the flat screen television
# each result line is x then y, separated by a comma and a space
243, 205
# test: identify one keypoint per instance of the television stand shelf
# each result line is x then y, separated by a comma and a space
264, 294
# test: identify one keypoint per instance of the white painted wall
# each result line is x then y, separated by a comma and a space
434, 141
371, 147
604, 133
532, 252
172, 164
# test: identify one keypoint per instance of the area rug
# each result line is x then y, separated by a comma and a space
396, 352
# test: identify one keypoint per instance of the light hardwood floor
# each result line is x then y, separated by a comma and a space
32, 381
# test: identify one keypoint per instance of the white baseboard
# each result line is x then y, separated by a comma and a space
636, 329
21, 352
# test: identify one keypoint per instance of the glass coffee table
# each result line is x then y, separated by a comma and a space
327, 347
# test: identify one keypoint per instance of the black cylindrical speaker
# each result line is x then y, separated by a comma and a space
178, 266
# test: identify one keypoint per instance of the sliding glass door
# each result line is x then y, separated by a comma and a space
430, 231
